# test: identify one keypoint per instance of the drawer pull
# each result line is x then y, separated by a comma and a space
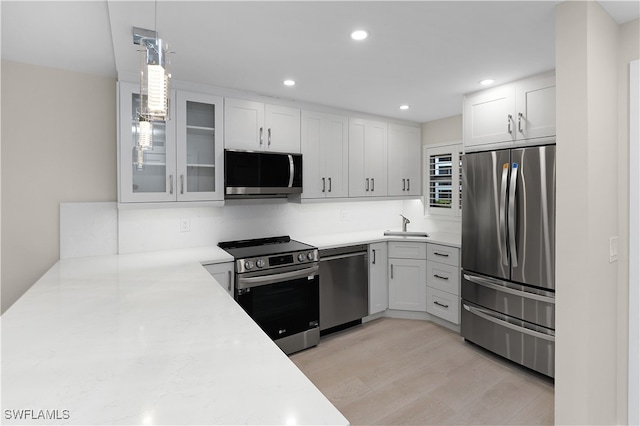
441, 277
441, 304
440, 254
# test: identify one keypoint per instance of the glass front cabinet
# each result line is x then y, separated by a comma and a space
185, 159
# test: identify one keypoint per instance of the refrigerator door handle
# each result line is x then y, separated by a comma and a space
502, 213
488, 283
513, 249
490, 316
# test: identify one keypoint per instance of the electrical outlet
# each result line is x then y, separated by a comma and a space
185, 225
613, 249
344, 215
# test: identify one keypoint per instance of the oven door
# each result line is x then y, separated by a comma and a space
282, 303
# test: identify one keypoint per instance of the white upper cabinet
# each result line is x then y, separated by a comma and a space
511, 113
325, 149
536, 108
254, 126
200, 149
185, 161
367, 158
404, 155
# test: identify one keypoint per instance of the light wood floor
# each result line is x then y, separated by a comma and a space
410, 372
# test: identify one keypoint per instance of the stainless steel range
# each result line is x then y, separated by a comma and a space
277, 284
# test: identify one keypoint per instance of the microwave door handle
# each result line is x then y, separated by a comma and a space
292, 170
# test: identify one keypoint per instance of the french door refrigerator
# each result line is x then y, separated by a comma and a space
508, 254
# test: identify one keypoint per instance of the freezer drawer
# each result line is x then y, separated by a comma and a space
518, 301
525, 343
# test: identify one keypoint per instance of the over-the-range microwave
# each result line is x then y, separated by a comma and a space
251, 174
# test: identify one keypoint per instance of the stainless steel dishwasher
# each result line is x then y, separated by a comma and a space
344, 287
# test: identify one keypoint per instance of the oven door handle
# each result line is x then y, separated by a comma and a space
275, 278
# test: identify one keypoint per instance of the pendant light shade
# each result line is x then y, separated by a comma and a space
145, 134
154, 81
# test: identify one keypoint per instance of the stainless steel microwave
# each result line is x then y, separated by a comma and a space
261, 174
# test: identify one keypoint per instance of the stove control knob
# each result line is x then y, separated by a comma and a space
248, 265
301, 257
260, 263
310, 255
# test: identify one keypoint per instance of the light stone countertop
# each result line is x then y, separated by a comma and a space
151, 338
369, 237
146, 339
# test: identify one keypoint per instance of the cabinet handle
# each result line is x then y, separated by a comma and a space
269, 136
262, 134
229, 282
392, 271
171, 184
520, 122
322, 184
373, 260
441, 277
441, 304
181, 184
329, 184
404, 188
367, 189
509, 117
408, 184
440, 254
373, 184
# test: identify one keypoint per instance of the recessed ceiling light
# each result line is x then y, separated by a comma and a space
403, 107
289, 83
487, 81
359, 35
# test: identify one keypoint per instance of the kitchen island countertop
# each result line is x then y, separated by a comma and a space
146, 338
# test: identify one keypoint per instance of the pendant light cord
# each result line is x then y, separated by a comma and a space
155, 19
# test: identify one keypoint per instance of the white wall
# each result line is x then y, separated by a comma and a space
629, 50
58, 145
443, 130
590, 372
159, 229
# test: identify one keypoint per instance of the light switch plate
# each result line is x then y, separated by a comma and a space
613, 249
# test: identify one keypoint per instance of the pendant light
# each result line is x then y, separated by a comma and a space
154, 86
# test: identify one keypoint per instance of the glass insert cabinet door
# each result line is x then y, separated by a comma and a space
185, 159
146, 175
200, 149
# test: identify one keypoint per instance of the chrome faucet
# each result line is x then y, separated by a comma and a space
404, 223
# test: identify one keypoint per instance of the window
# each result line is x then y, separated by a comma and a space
443, 173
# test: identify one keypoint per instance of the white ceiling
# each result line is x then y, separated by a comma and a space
423, 53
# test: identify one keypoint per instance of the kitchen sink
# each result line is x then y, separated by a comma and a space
405, 234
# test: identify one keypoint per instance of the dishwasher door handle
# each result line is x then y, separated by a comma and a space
342, 256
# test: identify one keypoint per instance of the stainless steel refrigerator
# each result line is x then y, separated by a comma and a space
508, 254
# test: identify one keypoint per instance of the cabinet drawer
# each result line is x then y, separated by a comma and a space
443, 277
407, 250
443, 305
443, 254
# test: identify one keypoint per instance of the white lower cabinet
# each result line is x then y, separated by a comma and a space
408, 276
224, 274
378, 284
443, 282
